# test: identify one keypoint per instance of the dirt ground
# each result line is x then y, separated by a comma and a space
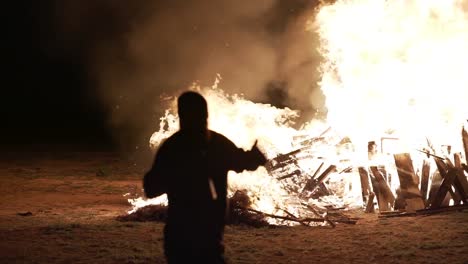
61, 208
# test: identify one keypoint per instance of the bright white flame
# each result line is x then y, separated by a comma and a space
395, 66
141, 202
243, 122
240, 120
391, 69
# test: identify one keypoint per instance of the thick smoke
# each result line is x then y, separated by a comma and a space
138, 52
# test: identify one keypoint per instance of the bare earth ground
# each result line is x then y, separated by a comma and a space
75, 197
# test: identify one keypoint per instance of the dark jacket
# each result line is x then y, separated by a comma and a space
192, 170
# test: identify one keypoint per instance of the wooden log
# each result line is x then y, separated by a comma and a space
365, 186
387, 199
408, 182
426, 168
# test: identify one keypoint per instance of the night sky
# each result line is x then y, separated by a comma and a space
90, 73
46, 96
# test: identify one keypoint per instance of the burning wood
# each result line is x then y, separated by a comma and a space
366, 190
425, 180
408, 183
447, 181
385, 197
451, 177
240, 213
317, 183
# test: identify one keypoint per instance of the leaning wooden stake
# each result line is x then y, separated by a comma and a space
425, 179
313, 183
365, 187
385, 197
465, 143
408, 182
461, 183
446, 184
435, 185
370, 203
458, 193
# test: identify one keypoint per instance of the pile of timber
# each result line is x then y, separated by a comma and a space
448, 182
156, 213
241, 213
305, 184
298, 183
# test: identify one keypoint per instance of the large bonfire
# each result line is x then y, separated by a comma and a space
392, 73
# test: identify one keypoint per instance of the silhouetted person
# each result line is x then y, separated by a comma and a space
191, 167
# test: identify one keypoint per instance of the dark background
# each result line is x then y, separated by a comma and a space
51, 93
47, 97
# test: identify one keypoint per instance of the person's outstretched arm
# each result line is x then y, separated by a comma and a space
246, 160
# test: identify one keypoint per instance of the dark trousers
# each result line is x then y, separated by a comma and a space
181, 256
198, 249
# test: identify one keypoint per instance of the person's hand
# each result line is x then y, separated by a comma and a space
257, 155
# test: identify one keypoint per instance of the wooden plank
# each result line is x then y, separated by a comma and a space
446, 184
397, 214
400, 202
435, 185
457, 160
465, 143
457, 194
313, 183
461, 183
381, 201
386, 196
325, 174
365, 186
408, 182
443, 209
387, 175
370, 203
426, 168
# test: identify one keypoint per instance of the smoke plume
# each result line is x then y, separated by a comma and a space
138, 52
